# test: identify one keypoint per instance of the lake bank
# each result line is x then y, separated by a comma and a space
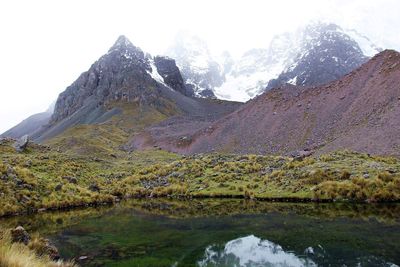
41, 178
165, 231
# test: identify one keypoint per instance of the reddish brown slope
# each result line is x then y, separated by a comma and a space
360, 112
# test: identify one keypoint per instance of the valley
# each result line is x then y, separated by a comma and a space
151, 160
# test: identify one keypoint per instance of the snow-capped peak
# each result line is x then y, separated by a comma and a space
291, 57
288, 52
367, 46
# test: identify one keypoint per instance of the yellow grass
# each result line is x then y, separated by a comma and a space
19, 255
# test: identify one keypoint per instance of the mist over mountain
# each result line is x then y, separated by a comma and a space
312, 55
325, 52
200, 70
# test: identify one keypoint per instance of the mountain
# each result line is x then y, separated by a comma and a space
200, 70
359, 112
312, 55
324, 53
123, 92
30, 125
249, 75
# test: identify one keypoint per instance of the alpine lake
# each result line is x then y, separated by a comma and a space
222, 232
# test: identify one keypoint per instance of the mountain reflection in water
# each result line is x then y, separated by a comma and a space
252, 251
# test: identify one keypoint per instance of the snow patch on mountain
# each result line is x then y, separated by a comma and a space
154, 73
250, 75
241, 79
367, 46
242, 87
199, 69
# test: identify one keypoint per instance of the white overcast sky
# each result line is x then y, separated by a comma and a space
45, 45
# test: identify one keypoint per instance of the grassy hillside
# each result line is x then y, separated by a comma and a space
43, 178
104, 139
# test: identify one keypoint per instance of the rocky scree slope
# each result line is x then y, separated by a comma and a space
358, 112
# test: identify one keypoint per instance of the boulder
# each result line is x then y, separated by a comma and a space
19, 235
94, 188
58, 187
43, 247
70, 179
300, 154
21, 144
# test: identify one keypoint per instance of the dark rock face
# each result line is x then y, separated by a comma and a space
329, 55
124, 75
172, 76
120, 75
206, 93
42, 247
19, 235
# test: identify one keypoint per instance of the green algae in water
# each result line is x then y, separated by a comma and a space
156, 232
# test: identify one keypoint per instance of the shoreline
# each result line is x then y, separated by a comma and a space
292, 200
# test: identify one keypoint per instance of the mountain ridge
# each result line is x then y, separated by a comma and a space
121, 93
287, 59
352, 113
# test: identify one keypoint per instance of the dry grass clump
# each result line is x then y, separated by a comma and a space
20, 255
383, 188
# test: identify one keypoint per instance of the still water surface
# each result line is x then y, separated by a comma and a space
223, 233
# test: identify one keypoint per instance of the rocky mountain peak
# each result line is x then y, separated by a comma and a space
323, 52
125, 49
315, 29
122, 43
123, 74
311, 55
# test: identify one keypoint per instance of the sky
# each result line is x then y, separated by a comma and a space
46, 44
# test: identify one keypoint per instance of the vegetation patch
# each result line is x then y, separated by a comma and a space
341, 175
34, 253
43, 177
